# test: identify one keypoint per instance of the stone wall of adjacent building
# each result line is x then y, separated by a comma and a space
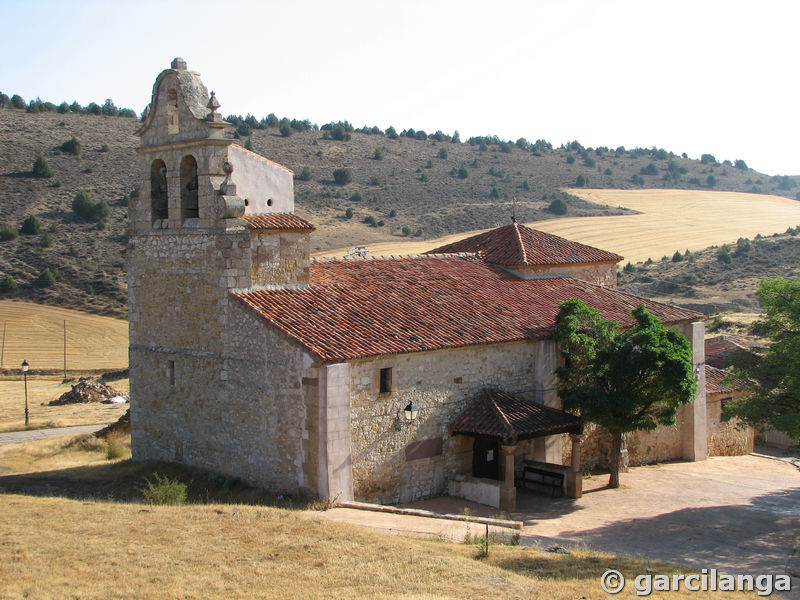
391, 465
726, 437
604, 274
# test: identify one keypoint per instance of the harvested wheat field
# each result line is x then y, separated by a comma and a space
35, 333
669, 220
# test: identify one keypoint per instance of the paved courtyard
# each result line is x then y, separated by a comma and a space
736, 514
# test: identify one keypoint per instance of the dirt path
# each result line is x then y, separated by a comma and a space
16, 437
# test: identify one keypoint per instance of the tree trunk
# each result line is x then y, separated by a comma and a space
616, 451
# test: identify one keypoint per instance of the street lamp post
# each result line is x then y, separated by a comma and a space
25, 374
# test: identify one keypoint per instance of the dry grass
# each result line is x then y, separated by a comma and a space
34, 332
669, 220
43, 389
55, 547
64, 548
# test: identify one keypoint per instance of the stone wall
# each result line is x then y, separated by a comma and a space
604, 274
279, 257
726, 438
385, 467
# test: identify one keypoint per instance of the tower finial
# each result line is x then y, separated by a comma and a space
213, 105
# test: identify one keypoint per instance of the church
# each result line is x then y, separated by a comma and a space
363, 378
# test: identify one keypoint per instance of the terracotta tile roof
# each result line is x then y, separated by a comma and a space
278, 221
369, 307
497, 414
714, 385
722, 347
516, 245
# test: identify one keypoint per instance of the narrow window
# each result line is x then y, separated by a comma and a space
189, 201
172, 372
159, 204
172, 111
386, 380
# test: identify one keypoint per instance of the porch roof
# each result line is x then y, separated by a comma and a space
497, 414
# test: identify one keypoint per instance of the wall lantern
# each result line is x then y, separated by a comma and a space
410, 413
697, 372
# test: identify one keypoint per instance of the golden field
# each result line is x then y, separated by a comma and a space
669, 220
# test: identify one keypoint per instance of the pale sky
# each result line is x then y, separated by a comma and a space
694, 76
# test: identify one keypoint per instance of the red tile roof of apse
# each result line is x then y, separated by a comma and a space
370, 307
278, 221
515, 245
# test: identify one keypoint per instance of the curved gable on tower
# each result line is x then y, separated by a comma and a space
180, 109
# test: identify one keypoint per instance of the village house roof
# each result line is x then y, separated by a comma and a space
518, 245
369, 307
720, 348
714, 384
498, 414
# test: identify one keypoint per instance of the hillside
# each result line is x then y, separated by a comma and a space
710, 282
412, 183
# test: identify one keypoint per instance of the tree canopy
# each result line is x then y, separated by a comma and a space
623, 380
773, 382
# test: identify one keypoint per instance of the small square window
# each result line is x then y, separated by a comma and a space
386, 380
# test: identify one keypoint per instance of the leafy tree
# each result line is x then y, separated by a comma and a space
40, 168
5, 101
773, 382
392, 214
708, 159
8, 284
629, 268
391, 133
31, 226
724, 254
71, 146
94, 109
17, 101
740, 164
406, 230
83, 206
677, 257
711, 181
342, 176
370, 220
623, 381
570, 159
285, 130
581, 180
109, 108
442, 152
305, 174
589, 162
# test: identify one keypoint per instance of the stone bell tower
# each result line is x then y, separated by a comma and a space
209, 217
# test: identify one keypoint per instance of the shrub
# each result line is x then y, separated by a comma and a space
305, 174
406, 230
581, 180
677, 257
378, 154
71, 146
589, 161
342, 176
558, 207
526, 186
708, 159
637, 179
40, 168
7, 232
650, 169
724, 254
392, 214
114, 447
740, 164
356, 197
165, 491
31, 225
629, 268
494, 193
391, 133
104, 148
711, 181
570, 159
82, 205
370, 220
462, 172
348, 214
285, 130
8, 284
442, 153
47, 240
46, 278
